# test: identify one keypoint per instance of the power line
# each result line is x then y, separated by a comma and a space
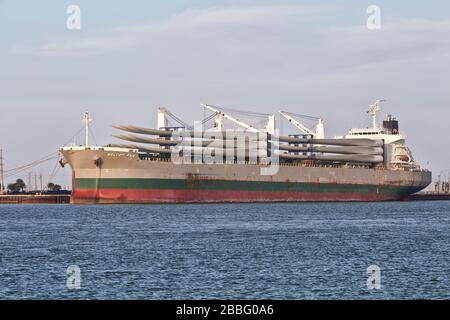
14, 171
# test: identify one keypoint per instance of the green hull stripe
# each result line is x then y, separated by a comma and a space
182, 184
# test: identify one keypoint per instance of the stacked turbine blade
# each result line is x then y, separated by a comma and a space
245, 144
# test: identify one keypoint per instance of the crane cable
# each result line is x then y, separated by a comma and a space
54, 172
302, 116
247, 113
174, 117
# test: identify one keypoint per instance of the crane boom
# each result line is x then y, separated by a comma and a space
238, 122
297, 124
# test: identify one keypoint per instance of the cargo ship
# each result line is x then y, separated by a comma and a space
245, 163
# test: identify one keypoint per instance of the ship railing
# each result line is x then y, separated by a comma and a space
282, 164
295, 164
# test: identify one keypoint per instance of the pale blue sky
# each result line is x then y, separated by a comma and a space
315, 57
26, 21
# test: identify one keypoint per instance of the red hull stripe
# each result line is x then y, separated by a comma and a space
179, 196
234, 185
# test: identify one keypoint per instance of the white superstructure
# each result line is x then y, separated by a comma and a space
397, 154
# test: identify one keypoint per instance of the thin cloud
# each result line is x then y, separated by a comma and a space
261, 32
199, 21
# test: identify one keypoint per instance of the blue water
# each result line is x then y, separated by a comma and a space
239, 251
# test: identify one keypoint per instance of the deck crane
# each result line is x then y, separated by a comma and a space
269, 128
163, 120
320, 129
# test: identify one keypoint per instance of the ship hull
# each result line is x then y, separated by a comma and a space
111, 196
121, 176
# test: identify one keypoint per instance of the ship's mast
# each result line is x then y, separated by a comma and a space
373, 110
86, 120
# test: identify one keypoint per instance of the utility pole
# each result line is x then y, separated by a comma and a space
447, 190
2, 182
30, 187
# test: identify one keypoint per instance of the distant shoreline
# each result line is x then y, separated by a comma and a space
34, 199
